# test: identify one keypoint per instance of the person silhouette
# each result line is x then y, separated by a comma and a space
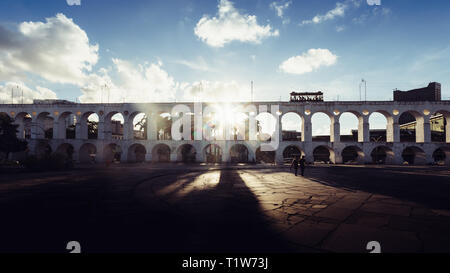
302, 164
294, 165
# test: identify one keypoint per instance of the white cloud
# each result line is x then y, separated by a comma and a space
280, 7
230, 25
74, 2
198, 64
212, 91
131, 83
338, 11
57, 50
23, 93
309, 61
340, 28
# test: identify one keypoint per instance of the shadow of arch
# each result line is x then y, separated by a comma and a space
290, 152
352, 154
439, 156
161, 153
323, 154
66, 149
186, 153
136, 153
382, 155
43, 149
212, 153
112, 153
88, 153
239, 154
264, 156
413, 155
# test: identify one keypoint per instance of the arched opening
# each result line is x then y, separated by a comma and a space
43, 149
322, 154
139, 126
186, 153
88, 153
117, 122
164, 126
136, 153
264, 156
92, 125
44, 126
67, 125
265, 126
239, 154
213, 153
348, 123
352, 155
24, 120
379, 154
291, 125
112, 153
290, 152
66, 149
439, 156
321, 124
408, 122
161, 153
378, 125
413, 155
439, 126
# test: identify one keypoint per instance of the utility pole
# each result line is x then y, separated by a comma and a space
12, 95
360, 91
365, 89
251, 91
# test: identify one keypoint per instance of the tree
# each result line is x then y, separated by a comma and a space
9, 143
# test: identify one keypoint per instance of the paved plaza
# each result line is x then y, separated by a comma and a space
227, 208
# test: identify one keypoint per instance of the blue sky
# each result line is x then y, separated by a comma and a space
211, 50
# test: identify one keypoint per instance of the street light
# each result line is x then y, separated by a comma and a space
365, 89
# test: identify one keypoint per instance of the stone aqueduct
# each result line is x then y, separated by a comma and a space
423, 148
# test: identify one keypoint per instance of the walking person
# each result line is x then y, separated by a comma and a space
294, 164
302, 163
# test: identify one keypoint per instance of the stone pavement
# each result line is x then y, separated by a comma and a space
176, 208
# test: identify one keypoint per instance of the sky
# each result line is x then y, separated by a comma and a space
211, 50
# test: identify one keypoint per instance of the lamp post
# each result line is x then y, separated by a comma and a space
365, 89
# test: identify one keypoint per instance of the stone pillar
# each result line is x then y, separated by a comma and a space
397, 158
128, 130
84, 129
101, 129
35, 130
307, 129
279, 156
393, 131
148, 156
152, 132
335, 156
56, 130
78, 133
363, 129
335, 131
107, 135
447, 128
173, 156
99, 156
423, 130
